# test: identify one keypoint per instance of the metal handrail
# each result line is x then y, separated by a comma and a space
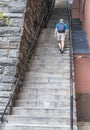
71, 69
16, 84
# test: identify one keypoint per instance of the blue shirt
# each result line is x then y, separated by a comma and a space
57, 26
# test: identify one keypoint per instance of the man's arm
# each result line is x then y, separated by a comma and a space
55, 32
66, 29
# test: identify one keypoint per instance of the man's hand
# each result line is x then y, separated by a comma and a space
55, 35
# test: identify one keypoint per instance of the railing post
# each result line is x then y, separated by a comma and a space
71, 66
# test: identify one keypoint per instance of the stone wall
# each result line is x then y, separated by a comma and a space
19, 22
11, 21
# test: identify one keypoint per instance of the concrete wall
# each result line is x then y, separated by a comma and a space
81, 9
82, 74
75, 9
82, 87
86, 19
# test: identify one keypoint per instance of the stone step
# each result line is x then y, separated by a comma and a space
2, 108
45, 42
60, 65
5, 86
46, 75
17, 119
2, 126
49, 69
42, 104
2, 104
50, 45
8, 45
52, 50
47, 80
42, 62
61, 4
12, 6
37, 127
41, 112
43, 91
13, 15
52, 24
56, 17
59, 59
54, 56
48, 36
50, 60
3, 100
10, 1
55, 21
50, 86
29, 96
58, 85
9, 31
5, 94
16, 22
48, 32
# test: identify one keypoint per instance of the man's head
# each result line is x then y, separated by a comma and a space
61, 21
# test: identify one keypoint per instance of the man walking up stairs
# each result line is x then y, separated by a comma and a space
44, 99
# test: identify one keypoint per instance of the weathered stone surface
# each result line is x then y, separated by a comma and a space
13, 15
1, 69
9, 31
5, 94
7, 79
3, 52
10, 70
9, 45
5, 87
13, 53
14, 39
3, 22
15, 7
7, 61
15, 22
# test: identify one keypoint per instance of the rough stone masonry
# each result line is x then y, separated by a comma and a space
19, 22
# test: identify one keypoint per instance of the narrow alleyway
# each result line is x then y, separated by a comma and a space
44, 99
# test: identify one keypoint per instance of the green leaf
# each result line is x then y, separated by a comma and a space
1, 15
7, 21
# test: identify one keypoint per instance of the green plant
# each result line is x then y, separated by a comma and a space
1, 15
7, 21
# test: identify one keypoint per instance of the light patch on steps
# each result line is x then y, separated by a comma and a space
46, 104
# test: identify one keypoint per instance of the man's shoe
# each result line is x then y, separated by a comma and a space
61, 51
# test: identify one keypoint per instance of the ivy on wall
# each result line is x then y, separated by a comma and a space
4, 19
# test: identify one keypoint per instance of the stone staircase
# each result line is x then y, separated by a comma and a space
44, 99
